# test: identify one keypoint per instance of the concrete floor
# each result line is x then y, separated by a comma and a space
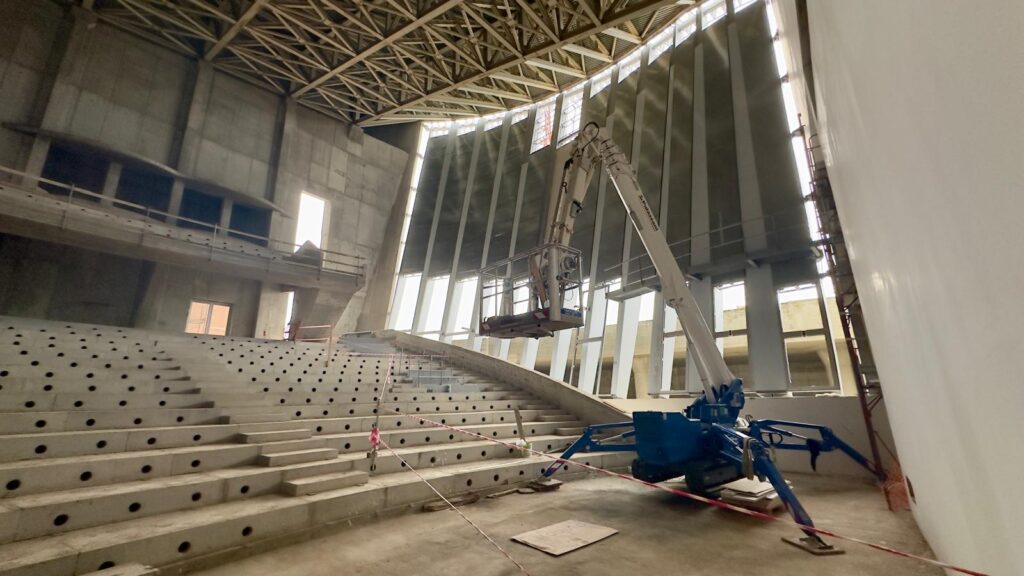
658, 534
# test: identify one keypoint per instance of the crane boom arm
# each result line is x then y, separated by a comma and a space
594, 147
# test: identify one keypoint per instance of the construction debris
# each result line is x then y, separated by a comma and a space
465, 499
545, 484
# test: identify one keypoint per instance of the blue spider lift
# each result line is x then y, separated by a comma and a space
708, 444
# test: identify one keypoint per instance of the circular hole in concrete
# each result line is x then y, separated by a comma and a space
184, 547
60, 520
134, 507
137, 421
244, 489
90, 422
458, 456
41, 449
107, 565
40, 423
469, 482
247, 531
147, 469
197, 496
13, 484
101, 444
496, 477
85, 476
195, 463
197, 437
151, 441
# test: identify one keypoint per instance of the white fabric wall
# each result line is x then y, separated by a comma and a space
922, 106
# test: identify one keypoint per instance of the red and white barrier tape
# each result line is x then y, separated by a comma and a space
710, 502
455, 508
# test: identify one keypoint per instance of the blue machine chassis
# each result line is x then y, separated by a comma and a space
705, 445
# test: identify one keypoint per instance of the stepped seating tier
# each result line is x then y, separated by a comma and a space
122, 449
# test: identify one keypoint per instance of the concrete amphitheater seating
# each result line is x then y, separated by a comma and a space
122, 449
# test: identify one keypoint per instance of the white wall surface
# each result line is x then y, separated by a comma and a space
920, 102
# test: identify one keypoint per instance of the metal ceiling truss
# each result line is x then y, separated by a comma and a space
387, 61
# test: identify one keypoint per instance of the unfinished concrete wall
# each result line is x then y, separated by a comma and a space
229, 138
118, 90
50, 281
66, 72
171, 290
30, 30
919, 108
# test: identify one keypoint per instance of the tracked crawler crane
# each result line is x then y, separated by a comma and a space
709, 444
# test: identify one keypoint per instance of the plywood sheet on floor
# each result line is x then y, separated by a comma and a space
564, 537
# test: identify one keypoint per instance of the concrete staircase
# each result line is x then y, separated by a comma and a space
122, 449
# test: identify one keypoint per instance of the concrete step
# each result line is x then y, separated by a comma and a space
569, 431
317, 468
556, 417
255, 417
132, 569
318, 484
276, 436
286, 458
292, 445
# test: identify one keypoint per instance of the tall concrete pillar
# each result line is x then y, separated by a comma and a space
451, 304
194, 118
765, 343
110, 183
419, 316
177, 192
227, 205
700, 211
625, 346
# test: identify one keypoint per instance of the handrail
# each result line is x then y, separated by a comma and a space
271, 243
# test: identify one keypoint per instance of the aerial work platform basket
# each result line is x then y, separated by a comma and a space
514, 297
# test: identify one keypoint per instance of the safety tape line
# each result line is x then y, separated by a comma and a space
715, 503
456, 508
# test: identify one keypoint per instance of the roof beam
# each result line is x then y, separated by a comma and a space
560, 68
583, 51
377, 46
609, 21
237, 27
515, 78
623, 35
496, 93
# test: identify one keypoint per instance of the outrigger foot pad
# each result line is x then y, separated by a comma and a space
814, 545
545, 484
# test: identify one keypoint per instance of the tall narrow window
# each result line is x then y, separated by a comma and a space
208, 318
543, 125
572, 110
711, 12
310, 226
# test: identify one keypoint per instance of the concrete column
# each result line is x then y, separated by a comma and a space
769, 367
506, 125
767, 349
700, 212
528, 358
177, 192
835, 375
625, 346
419, 317
55, 100
593, 330
451, 303
36, 160
662, 381
703, 292
194, 118
560, 354
593, 334
660, 360
225, 214
110, 183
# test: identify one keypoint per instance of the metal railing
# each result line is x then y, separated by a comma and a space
279, 250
